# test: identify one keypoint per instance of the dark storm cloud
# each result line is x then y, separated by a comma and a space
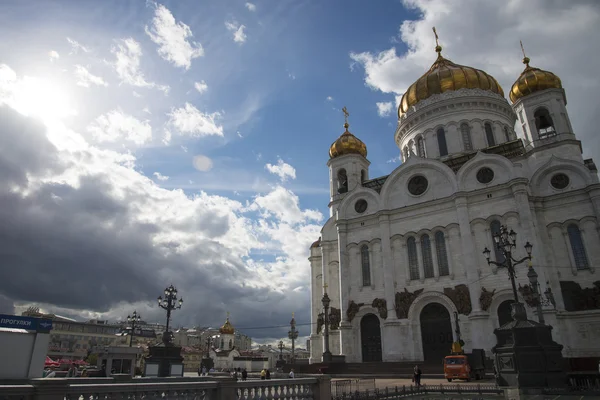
83, 249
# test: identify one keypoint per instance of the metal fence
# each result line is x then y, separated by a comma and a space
397, 392
339, 387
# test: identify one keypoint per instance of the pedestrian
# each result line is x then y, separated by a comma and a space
84, 373
268, 374
49, 372
204, 371
417, 376
244, 374
263, 374
235, 374
291, 375
72, 373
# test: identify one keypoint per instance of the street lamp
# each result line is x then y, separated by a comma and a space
281, 349
326, 301
293, 335
133, 320
505, 241
169, 303
533, 296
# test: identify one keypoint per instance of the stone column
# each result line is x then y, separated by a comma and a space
434, 258
420, 260
468, 250
344, 290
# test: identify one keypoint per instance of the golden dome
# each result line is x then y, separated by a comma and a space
444, 76
533, 80
227, 328
347, 143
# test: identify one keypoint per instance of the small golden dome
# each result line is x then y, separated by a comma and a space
533, 80
227, 328
445, 76
347, 143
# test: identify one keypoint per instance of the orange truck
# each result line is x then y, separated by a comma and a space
461, 365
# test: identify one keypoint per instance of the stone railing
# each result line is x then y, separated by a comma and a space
310, 388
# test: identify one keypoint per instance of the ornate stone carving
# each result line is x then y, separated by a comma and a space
528, 295
334, 318
403, 302
485, 299
320, 322
381, 306
580, 299
352, 310
460, 297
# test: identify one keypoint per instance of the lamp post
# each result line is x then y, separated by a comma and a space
505, 241
293, 335
326, 301
169, 303
533, 296
281, 349
133, 319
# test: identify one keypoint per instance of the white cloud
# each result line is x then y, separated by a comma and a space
329, 98
202, 163
116, 126
85, 77
189, 120
128, 53
384, 109
136, 94
238, 31
292, 76
161, 177
284, 205
201, 86
172, 37
167, 137
251, 7
53, 55
282, 169
76, 46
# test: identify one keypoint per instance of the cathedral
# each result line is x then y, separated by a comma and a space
402, 256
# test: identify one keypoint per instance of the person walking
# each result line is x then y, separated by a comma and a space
244, 374
72, 373
263, 374
417, 376
268, 374
235, 374
291, 375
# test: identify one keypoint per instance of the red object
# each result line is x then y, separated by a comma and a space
50, 362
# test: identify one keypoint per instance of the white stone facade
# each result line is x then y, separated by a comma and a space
450, 224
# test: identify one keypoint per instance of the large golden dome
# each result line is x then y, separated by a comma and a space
347, 143
533, 80
444, 76
227, 328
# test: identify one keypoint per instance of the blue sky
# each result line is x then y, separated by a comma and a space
147, 143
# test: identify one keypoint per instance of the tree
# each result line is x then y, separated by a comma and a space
92, 359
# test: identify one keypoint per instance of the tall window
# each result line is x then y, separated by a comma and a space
489, 134
525, 132
421, 147
366, 266
342, 181
427, 259
441, 137
405, 153
230, 344
222, 343
581, 261
495, 229
506, 134
413, 260
543, 123
465, 131
442, 255
363, 175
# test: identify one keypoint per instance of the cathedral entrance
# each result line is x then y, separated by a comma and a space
436, 332
370, 337
504, 311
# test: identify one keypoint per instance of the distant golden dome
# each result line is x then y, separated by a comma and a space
347, 143
445, 76
533, 80
227, 328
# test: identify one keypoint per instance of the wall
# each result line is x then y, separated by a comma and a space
23, 354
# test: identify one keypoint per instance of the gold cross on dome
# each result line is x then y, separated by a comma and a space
436, 37
346, 114
522, 49
227, 314
293, 314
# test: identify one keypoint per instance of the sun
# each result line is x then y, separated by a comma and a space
39, 97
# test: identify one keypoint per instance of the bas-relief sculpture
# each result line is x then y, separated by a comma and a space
352, 310
403, 302
485, 299
334, 319
460, 297
381, 306
579, 299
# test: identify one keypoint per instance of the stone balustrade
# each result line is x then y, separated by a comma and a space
309, 388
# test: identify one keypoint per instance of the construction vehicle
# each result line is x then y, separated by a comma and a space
461, 365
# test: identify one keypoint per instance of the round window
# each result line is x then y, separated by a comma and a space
559, 181
485, 175
360, 206
417, 185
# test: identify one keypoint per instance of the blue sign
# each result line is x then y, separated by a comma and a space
27, 323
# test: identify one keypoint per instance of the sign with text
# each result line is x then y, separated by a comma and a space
27, 323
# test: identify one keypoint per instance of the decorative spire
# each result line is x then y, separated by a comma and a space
525, 58
346, 114
325, 286
228, 315
438, 48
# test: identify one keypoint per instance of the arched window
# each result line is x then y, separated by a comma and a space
421, 147
441, 137
222, 343
489, 134
342, 181
427, 259
442, 255
363, 176
366, 266
230, 344
543, 123
506, 134
495, 230
465, 131
579, 255
413, 260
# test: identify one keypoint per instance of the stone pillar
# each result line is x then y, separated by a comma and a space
468, 250
344, 274
388, 266
420, 260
